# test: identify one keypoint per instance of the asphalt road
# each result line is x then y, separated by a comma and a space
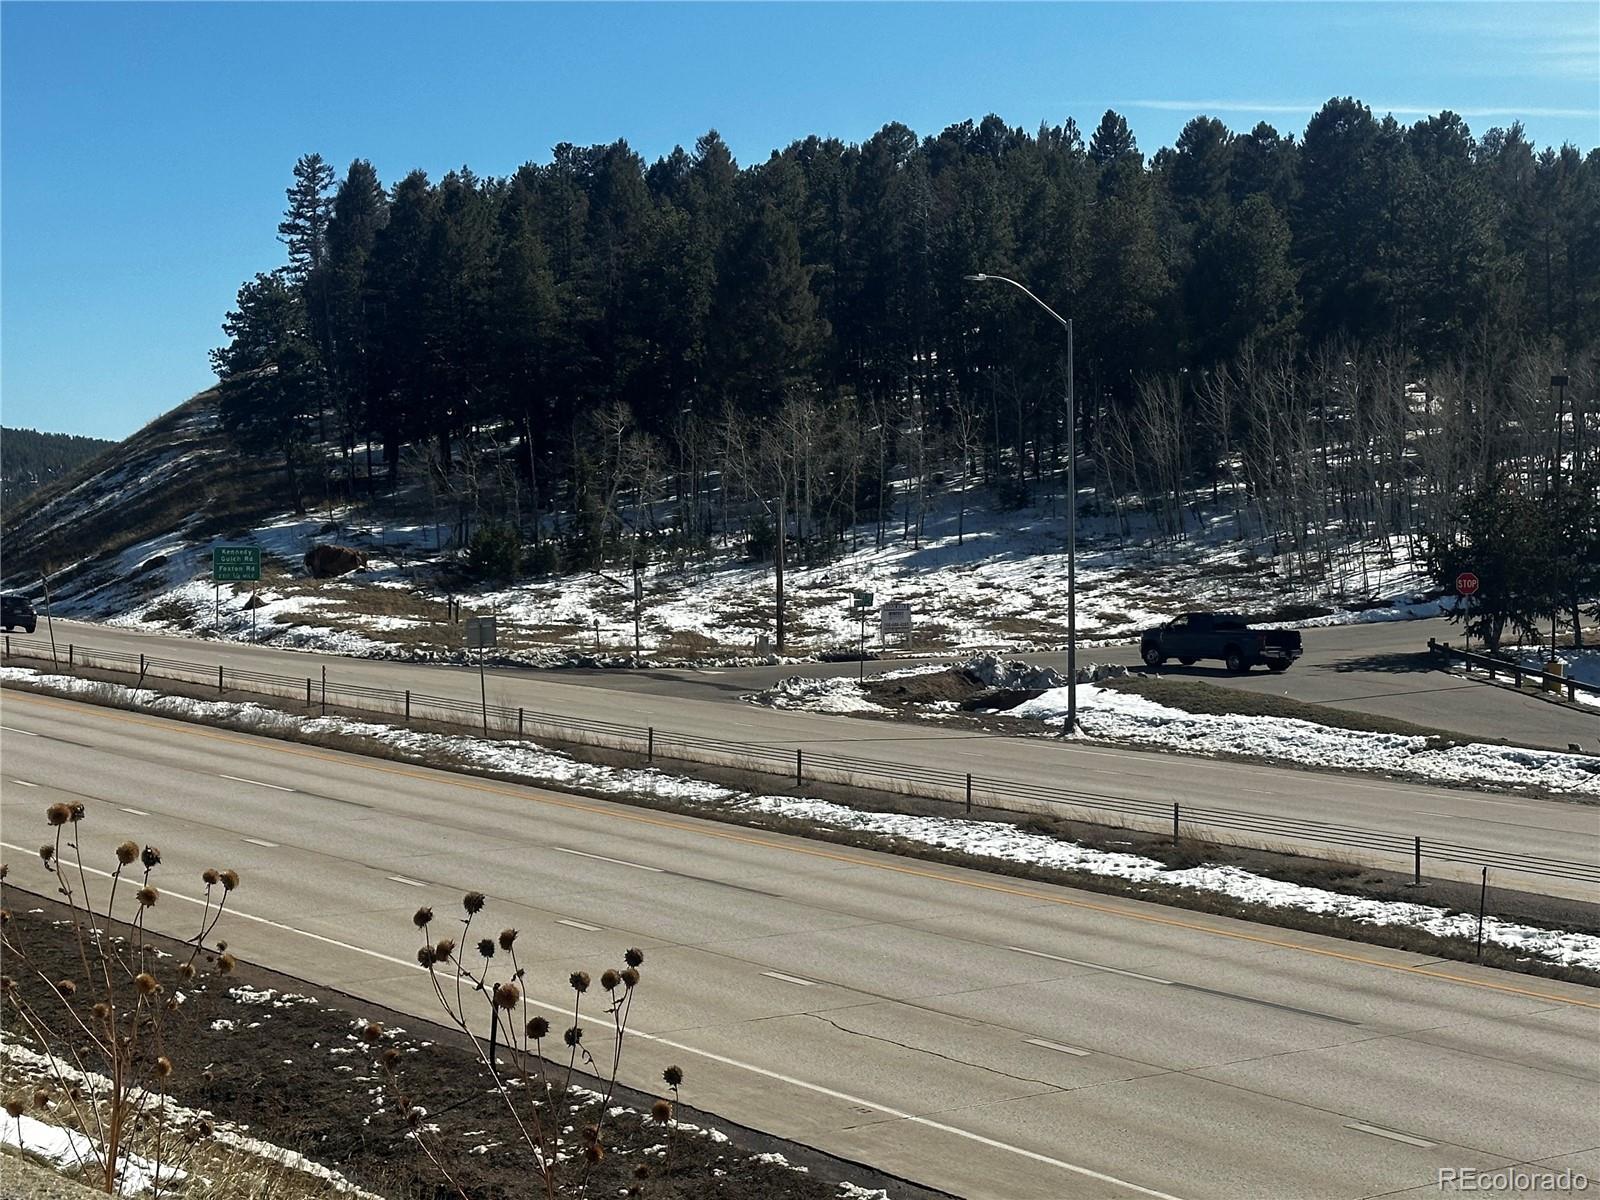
993, 1038
707, 703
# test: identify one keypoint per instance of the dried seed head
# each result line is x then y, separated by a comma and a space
5, 916
15, 1108
538, 1027
4, 870
147, 896
203, 1128
422, 916
414, 1117
186, 970
574, 1035
66, 987
372, 1032
221, 946
443, 949
473, 903
673, 1076
226, 963
146, 983
634, 957
661, 1112
7, 985
508, 938
630, 977
209, 877
641, 1172
594, 1153
230, 879
127, 852
486, 947
163, 1067
102, 1011
579, 981
77, 811
425, 956
506, 995
590, 1134
391, 1058
58, 814
41, 1097
47, 853
150, 857
609, 980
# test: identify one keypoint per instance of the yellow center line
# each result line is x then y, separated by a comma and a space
623, 813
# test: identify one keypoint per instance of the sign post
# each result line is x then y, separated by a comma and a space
481, 635
861, 602
231, 564
1467, 588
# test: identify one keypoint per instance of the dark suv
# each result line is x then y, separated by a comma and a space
1194, 636
15, 612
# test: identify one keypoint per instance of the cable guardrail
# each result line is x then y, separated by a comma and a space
912, 779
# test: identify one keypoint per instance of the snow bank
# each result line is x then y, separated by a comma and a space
1110, 715
1001, 841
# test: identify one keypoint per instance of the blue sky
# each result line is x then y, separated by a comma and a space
144, 149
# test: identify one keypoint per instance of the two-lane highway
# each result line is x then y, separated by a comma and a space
994, 1038
1509, 823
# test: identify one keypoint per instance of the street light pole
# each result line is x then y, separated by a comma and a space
1072, 500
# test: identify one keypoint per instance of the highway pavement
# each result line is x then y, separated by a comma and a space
995, 1038
706, 703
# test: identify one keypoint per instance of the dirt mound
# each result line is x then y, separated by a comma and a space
953, 685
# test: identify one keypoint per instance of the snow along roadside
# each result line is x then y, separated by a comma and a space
1124, 718
996, 840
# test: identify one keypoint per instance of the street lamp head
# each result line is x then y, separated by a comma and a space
978, 278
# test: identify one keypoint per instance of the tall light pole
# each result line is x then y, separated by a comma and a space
1072, 502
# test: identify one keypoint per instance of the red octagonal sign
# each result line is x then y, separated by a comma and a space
1466, 583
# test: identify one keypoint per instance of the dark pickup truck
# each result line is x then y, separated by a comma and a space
1194, 636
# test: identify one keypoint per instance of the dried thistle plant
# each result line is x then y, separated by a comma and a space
483, 994
108, 1035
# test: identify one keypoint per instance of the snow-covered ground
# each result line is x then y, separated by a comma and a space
1582, 665
983, 839
1108, 715
1001, 585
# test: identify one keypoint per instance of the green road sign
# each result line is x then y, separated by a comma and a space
235, 564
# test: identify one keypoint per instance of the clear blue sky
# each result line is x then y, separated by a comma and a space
146, 146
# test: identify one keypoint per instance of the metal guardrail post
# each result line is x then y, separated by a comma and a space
1174, 822
219, 679
969, 791
798, 777
69, 655
519, 721
1416, 863
408, 706
650, 745
308, 691
324, 691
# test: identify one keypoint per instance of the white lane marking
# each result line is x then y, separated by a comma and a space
602, 858
790, 978
1390, 1134
409, 882
722, 1059
24, 783
23, 732
578, 925
1057, 1046
260, 842
1078, 962
138, 812
256, 783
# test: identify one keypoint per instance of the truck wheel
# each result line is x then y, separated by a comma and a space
1234, 661
1153, 657
1277, 668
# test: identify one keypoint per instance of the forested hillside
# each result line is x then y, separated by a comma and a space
29, 459
1348, 334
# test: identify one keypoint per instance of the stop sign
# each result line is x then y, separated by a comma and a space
1466, 583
